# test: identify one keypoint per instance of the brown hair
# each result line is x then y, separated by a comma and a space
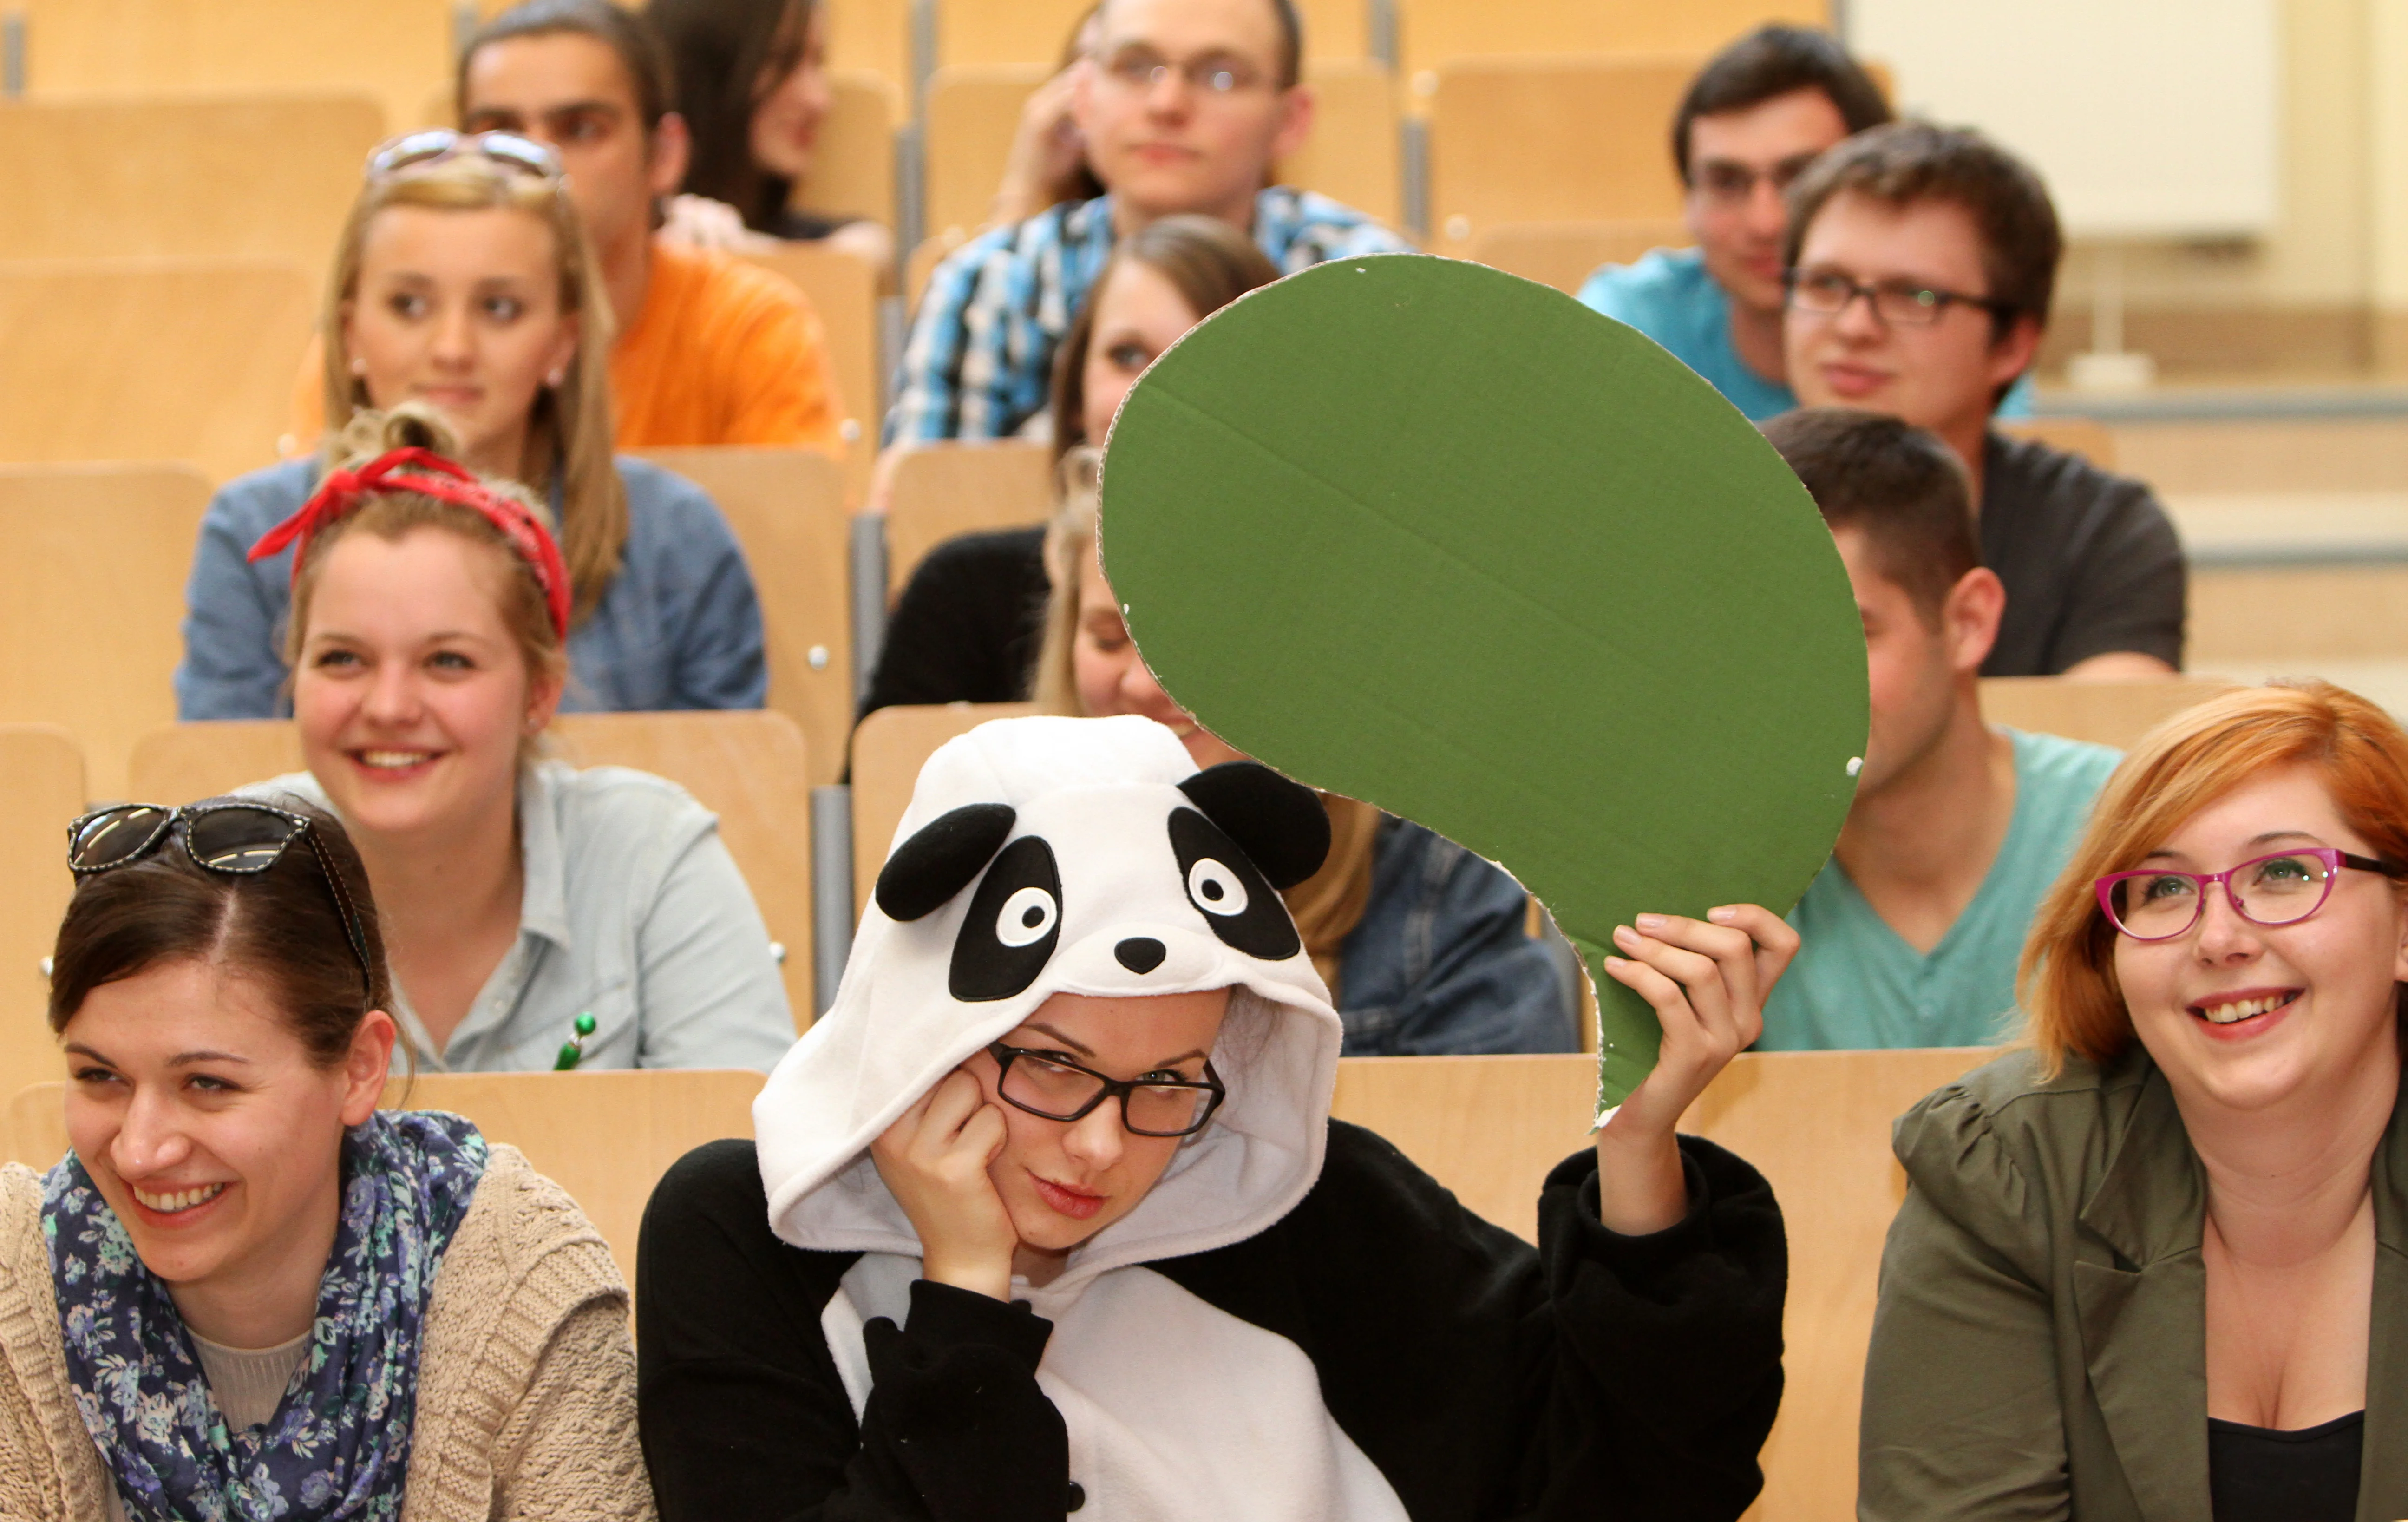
1327, 906
392, 516
279, 927
2068, 978
727, 52
1289, 66
1771, 62
569, 432
1898, 484
1906, 161
1209, 262
627, 33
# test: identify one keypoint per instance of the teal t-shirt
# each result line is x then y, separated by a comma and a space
1855, 984
1669, 296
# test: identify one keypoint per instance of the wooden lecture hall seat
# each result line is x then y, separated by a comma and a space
1565, 253
853, 161
1036, 30
2116, 713
1436, 32
843, 291
41, 775
787, 509
868, 37
253, 176
1553, 139
182, 360
747, 766
888, 749
2075, 436
941, 490
1353, 154
393, 51
92, 597
604, 1137
1815, 1123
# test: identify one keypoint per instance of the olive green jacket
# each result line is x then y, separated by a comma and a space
2040, 1345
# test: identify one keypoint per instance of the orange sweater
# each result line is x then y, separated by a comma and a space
723, 351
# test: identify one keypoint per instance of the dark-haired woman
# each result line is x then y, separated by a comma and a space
247, 1292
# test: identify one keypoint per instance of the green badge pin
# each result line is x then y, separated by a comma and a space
572, 1050
1445, 540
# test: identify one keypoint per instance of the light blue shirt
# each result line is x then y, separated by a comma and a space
1669, 296
633, 913
1855, 984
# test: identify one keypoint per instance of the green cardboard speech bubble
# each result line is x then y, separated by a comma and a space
1433, 537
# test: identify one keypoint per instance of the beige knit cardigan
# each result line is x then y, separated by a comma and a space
527, 1384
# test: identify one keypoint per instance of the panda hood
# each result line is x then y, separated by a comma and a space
1046, 855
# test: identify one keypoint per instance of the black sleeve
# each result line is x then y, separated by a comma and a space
2129, 580
967, 627
745, 1417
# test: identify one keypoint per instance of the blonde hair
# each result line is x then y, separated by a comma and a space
2067, 981
569, 429
1327, 906
392, 516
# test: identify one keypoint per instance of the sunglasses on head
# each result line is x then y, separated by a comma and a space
238, 840
440, 145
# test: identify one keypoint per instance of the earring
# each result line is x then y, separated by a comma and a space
359, 368
554, 379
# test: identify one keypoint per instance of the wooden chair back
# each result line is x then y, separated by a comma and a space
2085, 437
1434, 33
393, 51
787, 509
972, 111
1816, 1124
749, 768
870, 36
1354, 154
247, 176
2115, 713
1553, 139
1565, 254
2352, 614
41, 775
974, 32
888, 749
604, 1137
843, 291
185, 360
92, 597
941, 490
852, 163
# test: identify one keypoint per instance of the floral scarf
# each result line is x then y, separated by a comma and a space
339, 1445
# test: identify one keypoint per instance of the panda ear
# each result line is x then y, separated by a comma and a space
1280, 825
941, 858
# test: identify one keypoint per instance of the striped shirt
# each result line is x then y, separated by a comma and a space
981, 357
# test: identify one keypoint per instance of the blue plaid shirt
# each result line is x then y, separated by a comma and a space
981, 359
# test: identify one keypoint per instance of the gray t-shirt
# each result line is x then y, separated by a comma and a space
2091, 561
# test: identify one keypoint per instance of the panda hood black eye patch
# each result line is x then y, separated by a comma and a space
1237, 900
1014, 925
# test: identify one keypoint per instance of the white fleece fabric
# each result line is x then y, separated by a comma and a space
1175, 1409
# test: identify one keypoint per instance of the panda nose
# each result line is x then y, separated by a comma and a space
1140, 954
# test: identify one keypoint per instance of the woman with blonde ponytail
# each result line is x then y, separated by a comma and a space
464, 283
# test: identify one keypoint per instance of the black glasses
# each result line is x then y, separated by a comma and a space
2155, 904
1895, 303
240, 840
1049, 1084
436, 145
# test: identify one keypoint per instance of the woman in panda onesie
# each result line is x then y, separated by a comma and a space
1047, 1215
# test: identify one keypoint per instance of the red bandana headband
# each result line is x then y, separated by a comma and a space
430, 475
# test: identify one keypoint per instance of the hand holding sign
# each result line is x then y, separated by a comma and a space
1445, 540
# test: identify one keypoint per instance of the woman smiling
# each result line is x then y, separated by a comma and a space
2156, 1265
247, 1292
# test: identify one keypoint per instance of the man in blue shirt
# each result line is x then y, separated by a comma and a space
1911, 931
1185, 106
1751, 120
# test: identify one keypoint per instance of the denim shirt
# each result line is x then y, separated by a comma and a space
680, 626
1442, 962
633, 913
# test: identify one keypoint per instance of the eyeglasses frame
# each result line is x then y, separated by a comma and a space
1215, 1091
179, 820
2333, 857
1941, 299
1119, 71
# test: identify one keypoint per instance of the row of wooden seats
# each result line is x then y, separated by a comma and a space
401, 50
1816, 1124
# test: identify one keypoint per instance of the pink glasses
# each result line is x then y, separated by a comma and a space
2156, 904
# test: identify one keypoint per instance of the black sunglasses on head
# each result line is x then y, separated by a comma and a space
239, 840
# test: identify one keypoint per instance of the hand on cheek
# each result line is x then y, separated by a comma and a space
934, 1159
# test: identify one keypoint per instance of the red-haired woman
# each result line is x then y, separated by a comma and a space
2157, 1265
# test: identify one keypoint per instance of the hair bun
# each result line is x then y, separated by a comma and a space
410, 425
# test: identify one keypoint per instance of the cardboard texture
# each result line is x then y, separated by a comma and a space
1437, 537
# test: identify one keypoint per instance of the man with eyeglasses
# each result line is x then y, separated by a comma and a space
1751, 120
1922, 260
1910, 934
1185, 106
